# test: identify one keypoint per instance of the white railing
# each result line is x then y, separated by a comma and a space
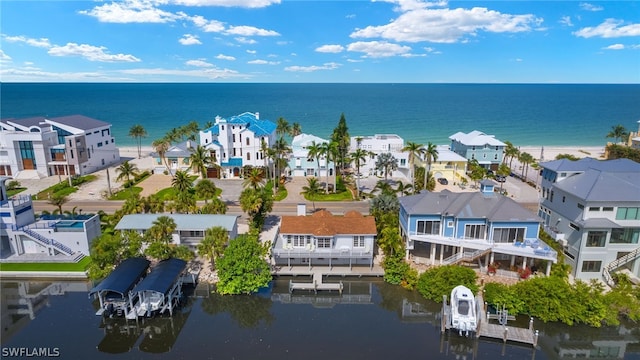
465, 256
617, 263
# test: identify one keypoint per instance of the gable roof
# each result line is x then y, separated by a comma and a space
183, 221
254, 124
597, 185
124, 277
476, 138
180, 150
468, 205
162, 276
617, 165
324, 223
300, 143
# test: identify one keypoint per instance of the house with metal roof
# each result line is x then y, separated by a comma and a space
159, 291
325, 239
379, 144
592, 207
448, 165
443, 228
301, 164
177, 157
476, 145
190, 228
69, 145
238, 141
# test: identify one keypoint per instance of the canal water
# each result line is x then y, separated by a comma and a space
370, 320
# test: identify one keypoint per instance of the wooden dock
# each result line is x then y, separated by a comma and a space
315, 285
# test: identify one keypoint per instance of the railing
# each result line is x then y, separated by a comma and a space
465, 256
16, 200
321, 253
34, 235
617, 263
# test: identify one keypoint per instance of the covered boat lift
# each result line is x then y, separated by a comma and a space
113, 291
159, 291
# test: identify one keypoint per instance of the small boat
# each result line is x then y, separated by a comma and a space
463, 310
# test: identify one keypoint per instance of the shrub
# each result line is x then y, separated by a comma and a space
13, 184
439, 281
524, 273
395, 269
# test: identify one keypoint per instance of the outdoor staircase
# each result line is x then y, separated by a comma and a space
50, 242
465, 256
617, 263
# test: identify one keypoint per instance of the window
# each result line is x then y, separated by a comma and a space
428, 227
564, 174
100, 144
506, 235
473, 156
403, 162
574, 227
607, 208
495, 157
299, 241
551, 198
625, 236
248, 141
591, 266
594, 208
248, 156
628, 213
596, 238
233, 137
323, 242
358, 241
105, 131
475, 231
580, 206
222, 127
564, 198
450, 224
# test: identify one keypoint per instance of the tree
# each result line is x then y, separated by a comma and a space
403, 189
311, 190
415, 150
384, 203
296, 129
110, 249
200, 159
182, 182
440, 280
387, 163
137, 132
526, 159
431, 155
205, 189
477, 172
213, 243
328, 150
161, 146
125, 171
314, 151
216, 206
282, 127
618, 132
567, 156
254, 178
359, 156
340, 136
159, 237
504, 171
58, 200
280, 149
243, 268
257, 203
510, 152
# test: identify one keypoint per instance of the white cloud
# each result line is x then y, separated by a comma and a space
245, 30
199, 63
130, 11
4, 57
244, 40
635, 46
610, 28
590, 7
251, 51
566, 21
228, 3
90, 52
31, 74
207, 25
355, 60
377, 49
408, 5
614, 47
225, 57
212, 73
330, 49
188, 39
41, 43
263, 62
447, 25
326, 66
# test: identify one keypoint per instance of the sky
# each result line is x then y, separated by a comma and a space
282, 41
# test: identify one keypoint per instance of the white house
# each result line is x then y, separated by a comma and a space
379, 144
239, 141
592, 207
70, 145
301, 164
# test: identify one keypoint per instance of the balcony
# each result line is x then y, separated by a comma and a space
554, 233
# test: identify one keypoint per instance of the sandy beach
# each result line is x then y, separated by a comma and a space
549, 153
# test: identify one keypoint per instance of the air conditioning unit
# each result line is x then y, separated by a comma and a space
563, 242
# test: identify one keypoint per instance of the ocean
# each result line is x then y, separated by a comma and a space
525, 114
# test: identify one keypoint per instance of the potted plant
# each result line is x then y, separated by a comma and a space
524, 273
492, 268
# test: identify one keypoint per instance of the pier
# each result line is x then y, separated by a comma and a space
315, 285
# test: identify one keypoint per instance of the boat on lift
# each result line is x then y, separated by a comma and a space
463, 310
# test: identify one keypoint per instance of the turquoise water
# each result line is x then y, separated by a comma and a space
525, 114
69, 224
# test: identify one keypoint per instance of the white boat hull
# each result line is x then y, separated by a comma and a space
463, 310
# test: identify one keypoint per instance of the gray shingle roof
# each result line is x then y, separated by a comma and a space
618, 165
597, 185
183, 221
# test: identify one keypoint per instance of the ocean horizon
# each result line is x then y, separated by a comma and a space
525, 114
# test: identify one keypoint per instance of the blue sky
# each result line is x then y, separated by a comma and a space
320, 41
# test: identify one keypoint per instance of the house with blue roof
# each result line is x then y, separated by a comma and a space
444, 228
592, 207
177, 157
238, 141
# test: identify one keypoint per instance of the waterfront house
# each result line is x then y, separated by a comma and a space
442, 228
592, 208
177, 157
448, 165
238, 141
379, 144
325, 239
476, 145
47, 238
38, 147
301, 164
190, 228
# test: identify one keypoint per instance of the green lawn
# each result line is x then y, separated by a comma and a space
80, 266
15, 191
126, 193
340, 196
63, 188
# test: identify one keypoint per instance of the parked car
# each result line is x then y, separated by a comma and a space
443, 181
500, 178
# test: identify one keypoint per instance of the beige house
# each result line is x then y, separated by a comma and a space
448, 165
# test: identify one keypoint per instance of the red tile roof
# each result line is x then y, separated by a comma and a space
323, 223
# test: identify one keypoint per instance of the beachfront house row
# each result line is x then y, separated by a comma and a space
379, 144
476, 145
238, 141
443, 228
325, 239
176, 158
38, 147
448, 165
302, 164
190, 228
592, 208
47, 238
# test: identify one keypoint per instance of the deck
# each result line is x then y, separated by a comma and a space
315, 285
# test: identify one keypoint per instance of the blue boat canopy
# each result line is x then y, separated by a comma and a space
124, 277
162, 276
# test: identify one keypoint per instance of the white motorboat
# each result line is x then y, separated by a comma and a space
463, 310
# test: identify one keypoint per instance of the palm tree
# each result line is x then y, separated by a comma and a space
296, 129
205, 189
181, 182
281, 149
311, 190
384, 188
387, 163
212, 245
525, 159
125, 171
503, 170
161, 146
200, 159
415, 150
161, 230
618, 132
58, 200
328, 150
431, 155
403, 189
282, 127
314, 151
138, 132
358, 156
254, 178
510, 152
191, 130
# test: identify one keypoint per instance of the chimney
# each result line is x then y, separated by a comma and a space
302, 209
257, 116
